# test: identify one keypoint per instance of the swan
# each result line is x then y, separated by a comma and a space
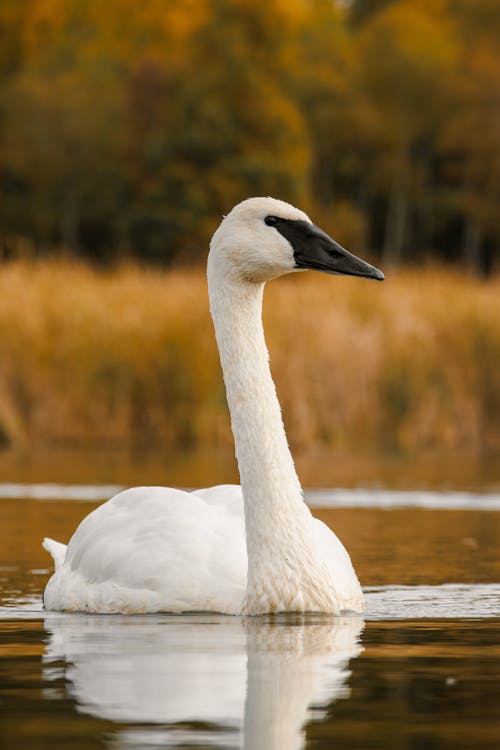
239, 550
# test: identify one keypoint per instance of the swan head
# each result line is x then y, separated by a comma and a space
262, 238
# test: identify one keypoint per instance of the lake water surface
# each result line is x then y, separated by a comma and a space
419, 670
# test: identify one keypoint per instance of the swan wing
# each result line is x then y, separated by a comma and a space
153, 549
228, 496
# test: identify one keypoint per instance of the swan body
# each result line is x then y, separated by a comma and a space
154, 549
249, 549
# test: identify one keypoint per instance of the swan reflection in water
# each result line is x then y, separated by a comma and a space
233, 682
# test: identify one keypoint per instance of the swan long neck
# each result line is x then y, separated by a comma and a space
264, 460
278, 523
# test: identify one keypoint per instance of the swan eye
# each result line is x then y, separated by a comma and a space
271, 221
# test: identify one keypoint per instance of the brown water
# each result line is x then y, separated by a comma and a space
421, 670
322, 468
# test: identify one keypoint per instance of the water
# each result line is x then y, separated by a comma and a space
419, 670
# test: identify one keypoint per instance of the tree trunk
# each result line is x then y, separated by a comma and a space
395, 226
68, 222
472, 246
365, 207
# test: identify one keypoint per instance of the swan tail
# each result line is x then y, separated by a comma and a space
56, 549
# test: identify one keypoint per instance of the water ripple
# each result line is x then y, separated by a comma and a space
324, 498
384, 603
391, 499
449, 600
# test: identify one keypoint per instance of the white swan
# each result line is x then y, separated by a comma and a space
249, 550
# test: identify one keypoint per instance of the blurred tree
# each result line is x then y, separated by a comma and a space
406, 54
222, 127
325, 84
477, 18
135, 124
322, 81
362, 10
12, 19
131, 126
65, 160
470, 143
61, 137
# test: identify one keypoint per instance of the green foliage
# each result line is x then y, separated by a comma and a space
130, 127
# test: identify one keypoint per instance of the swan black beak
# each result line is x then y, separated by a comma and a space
314, 249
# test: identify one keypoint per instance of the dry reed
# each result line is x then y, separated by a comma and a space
128, 356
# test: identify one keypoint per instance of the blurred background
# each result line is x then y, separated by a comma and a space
127, 128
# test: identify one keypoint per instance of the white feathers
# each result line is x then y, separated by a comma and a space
152, 549
56, 549
247, 550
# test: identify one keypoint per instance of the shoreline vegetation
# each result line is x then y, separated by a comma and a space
127, 357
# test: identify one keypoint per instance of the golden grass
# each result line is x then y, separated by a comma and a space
128, 356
